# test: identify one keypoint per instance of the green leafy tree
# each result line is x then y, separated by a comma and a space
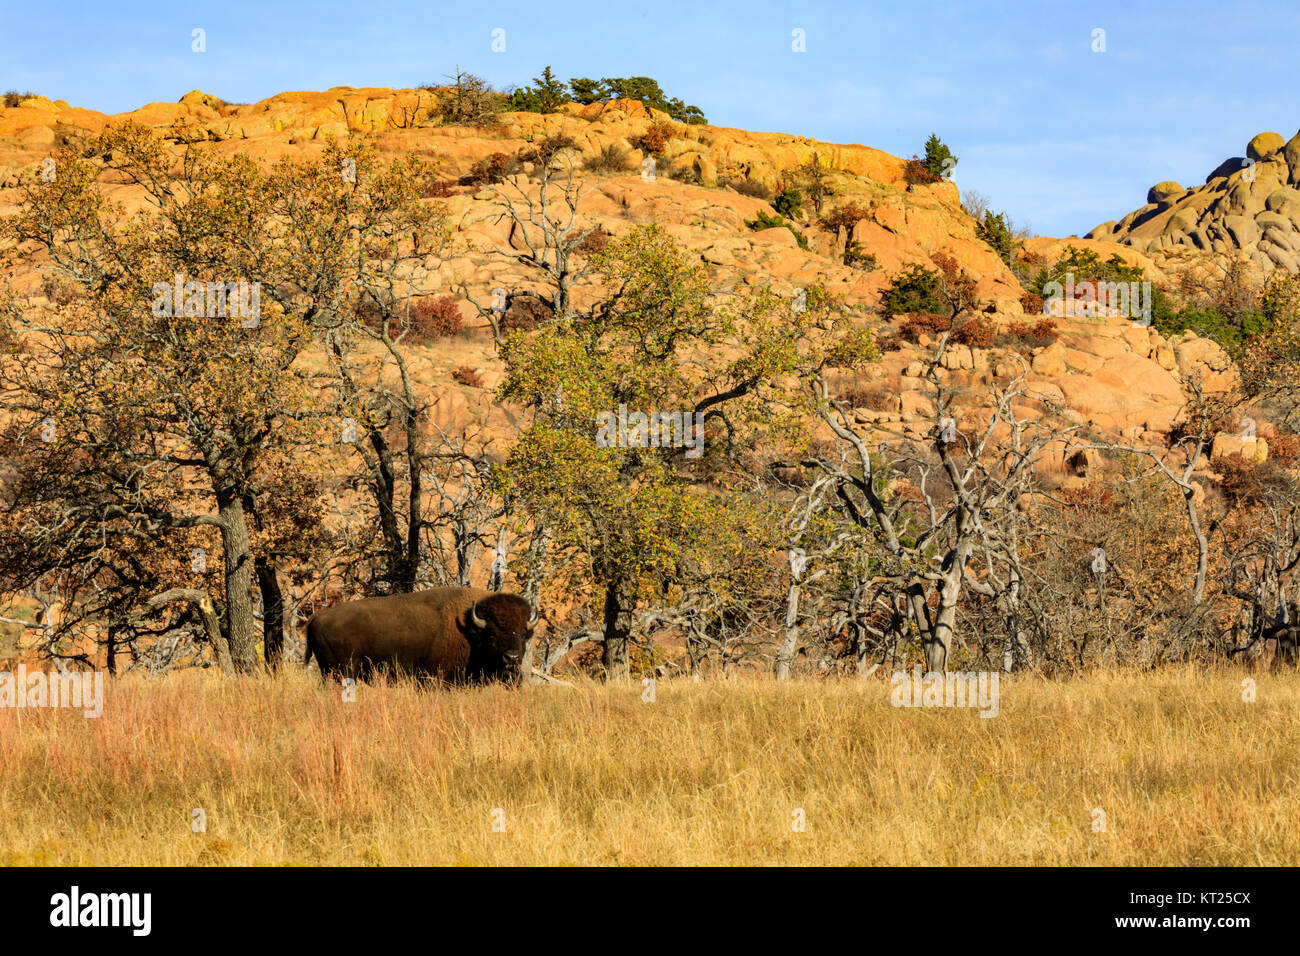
652, 519
174, 413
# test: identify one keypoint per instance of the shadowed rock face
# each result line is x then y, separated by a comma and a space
451, 634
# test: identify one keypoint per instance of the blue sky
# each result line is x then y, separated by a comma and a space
1060, 137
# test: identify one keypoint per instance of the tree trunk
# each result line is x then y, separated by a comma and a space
110, 652
272, 610
241, 625
790, 638
940, 640
1202, 547
619, 598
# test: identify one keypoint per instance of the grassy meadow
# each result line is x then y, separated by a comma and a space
286, 772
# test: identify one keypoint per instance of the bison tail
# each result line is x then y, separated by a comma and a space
308, 649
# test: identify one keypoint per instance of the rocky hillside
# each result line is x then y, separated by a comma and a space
1247, 205
1126, 381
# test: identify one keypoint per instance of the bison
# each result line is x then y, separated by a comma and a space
1280, 645
450, 634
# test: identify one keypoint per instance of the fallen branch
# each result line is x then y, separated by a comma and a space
548, 679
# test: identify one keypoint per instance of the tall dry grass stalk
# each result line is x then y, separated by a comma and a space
288, 773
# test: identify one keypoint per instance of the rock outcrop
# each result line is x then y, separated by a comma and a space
1126, 382
1248, 206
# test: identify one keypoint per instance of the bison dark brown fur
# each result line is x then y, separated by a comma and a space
429, 634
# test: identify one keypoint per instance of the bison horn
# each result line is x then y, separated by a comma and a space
534, 618
475, 619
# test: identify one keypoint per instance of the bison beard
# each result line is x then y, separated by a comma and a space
451, 634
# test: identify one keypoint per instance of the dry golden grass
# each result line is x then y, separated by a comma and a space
287, 773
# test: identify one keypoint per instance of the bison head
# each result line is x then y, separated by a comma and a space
498, 628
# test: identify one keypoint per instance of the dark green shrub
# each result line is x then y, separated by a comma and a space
858, 257
788, 202
916, 289
1207, 322
767, 221
586, 91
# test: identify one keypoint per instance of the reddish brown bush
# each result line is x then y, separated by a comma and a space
487, 171
439, 189
435, 318
1213, 419
1038, 334
594, 242
846, 216
1093, 498
916, 173
955, 286
923, 323
1283, 447
880, 397
417, 321
1247, 482
467, 376
976, 331
655, 139
525, 313
1032, 303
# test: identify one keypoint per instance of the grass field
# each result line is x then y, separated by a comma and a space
286, 772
